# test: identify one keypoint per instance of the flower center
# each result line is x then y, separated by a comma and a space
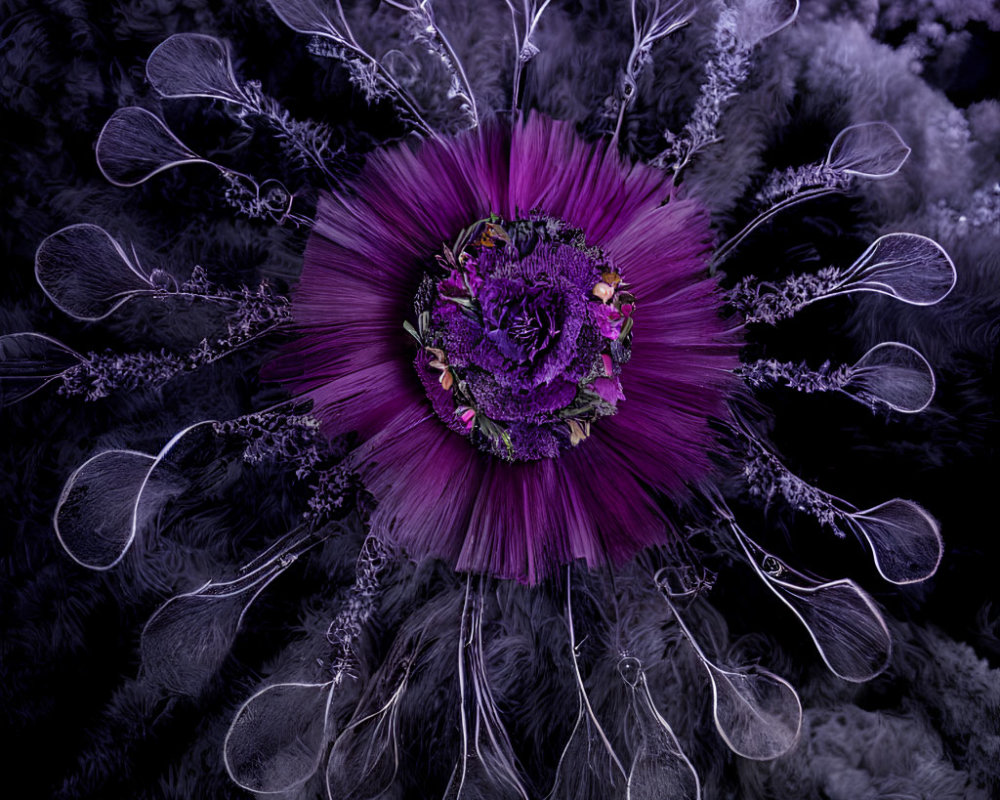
523, 331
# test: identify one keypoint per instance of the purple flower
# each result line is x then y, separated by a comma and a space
506, 471
608, 320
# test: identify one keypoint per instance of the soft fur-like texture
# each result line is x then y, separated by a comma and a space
85, 720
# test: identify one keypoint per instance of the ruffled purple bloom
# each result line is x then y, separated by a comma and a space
497, 445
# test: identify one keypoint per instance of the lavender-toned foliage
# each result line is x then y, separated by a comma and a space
757, 713
889, 375
135, 145
278, 737
334, 37
252, 314
842, 620
88, 275
738, 29
904, 539
510, 360
908, 267
419, 16
867, 150
659, 766
196, 65
31, 361
981, 215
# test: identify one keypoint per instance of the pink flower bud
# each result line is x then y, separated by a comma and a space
603, 291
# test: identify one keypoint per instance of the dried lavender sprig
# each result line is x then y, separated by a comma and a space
363, 73
330, 491
306, 141
872, 150
424, 29
769, 303
275, 436
792, 181
346, 627
279, 436
725, 72
103, 373
197, 65
827, 378
335, 39
256, 314
767, 477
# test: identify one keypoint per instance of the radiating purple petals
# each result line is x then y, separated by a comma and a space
668, 441
498, 538
363, 397
98, 514
88, 274
894, 375
758, 19
134, 145
530, 516
425, 479
412, 202
673, 391
335, 281
30, 361
194, 65
587, 185
618, 533
515, 520
904, 538
663, 248
907, 266
278, 737
869, 150
355, 362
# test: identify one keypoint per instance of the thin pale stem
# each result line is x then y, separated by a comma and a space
726, 249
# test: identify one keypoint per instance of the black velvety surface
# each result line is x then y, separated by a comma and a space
81, 718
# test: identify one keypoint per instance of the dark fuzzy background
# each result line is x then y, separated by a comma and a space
79, 719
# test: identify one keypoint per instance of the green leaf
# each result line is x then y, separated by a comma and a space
413, 332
